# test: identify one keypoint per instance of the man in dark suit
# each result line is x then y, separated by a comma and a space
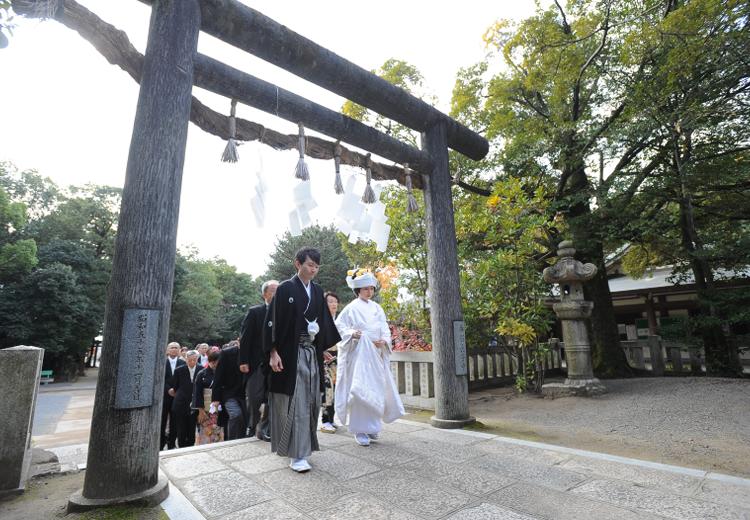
252, 363
173, 361
181, 390
298, 330
229, 391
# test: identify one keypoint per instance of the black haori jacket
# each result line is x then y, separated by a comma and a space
251, 340
286, 320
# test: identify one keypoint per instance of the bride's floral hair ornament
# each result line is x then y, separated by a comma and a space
358, 278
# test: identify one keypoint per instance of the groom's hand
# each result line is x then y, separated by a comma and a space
275, 361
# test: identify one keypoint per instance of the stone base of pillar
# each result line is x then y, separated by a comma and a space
451, 424
149, 498
574, 387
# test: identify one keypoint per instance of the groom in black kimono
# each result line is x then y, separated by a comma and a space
299, 329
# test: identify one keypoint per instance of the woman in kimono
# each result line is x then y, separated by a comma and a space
209, 430
366, 394
329, 372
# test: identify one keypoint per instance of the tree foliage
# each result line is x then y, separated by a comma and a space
54, 299
17, 255
611, 107
209, 300
56, 249
334, 263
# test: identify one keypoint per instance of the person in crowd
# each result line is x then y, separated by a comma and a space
329, 371
209, 430
253, 365
366, 394
299, 328
183, 353
181, 390
228, 391
202, 349
169, 435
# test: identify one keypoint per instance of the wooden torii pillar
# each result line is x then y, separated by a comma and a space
123, 448
123, 456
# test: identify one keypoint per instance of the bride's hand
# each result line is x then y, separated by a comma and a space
357, 334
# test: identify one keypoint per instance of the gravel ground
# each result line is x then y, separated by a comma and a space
695, 422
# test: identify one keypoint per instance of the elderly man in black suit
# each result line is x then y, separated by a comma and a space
253, 365
181, 389
173, 361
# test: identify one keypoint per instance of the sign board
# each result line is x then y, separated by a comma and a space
459, 346
138, 349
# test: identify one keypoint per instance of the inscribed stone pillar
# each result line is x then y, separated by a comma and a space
20, 368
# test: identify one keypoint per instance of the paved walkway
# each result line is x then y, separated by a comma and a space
63, 412
417, 472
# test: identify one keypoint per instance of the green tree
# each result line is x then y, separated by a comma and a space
688, 206
334, 263
17, 256
59, 305
50, 309
39, 194
209, 299
502, 242
196, 302
598, 101
403, 75
239, 292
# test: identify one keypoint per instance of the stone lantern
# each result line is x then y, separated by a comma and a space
573, 311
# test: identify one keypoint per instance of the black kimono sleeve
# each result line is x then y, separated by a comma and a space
269, 324
197, 402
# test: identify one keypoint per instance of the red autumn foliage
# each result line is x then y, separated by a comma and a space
408, 340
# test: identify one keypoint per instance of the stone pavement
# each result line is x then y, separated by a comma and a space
417, 472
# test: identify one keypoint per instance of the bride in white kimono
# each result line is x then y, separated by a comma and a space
366, 394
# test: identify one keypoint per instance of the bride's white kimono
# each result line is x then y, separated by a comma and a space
366, 394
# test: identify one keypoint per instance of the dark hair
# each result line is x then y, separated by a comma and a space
357, 289
333, 294
214, 355
307, 252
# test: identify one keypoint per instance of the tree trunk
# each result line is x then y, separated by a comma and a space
608, 357
722, 357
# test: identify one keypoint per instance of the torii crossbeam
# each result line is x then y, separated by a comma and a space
123, 461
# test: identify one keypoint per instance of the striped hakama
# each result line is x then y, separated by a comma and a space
294, 419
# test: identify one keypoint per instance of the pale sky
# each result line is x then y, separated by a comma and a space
69, 114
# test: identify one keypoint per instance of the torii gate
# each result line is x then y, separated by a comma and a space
123, 461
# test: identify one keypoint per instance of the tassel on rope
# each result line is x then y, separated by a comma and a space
368, 197
411, 201
301, 171
338, 186
230, 151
